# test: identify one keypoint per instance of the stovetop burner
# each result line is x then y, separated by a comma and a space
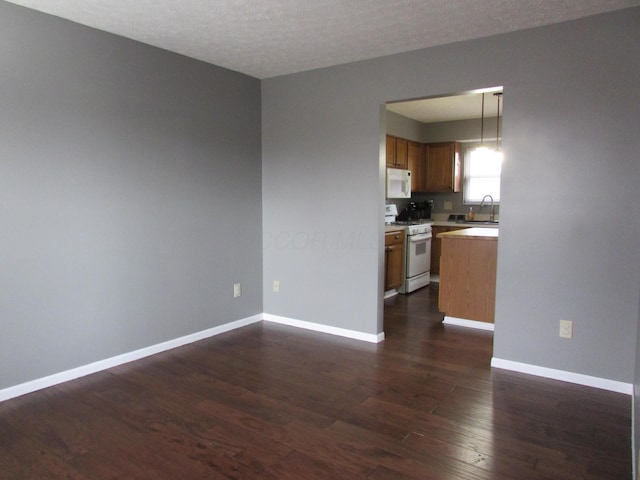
410, 222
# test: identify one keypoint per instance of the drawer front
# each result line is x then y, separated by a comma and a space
395, 237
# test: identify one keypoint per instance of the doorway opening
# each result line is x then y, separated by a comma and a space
437, 135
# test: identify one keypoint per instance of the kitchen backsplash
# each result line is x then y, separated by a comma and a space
439, 199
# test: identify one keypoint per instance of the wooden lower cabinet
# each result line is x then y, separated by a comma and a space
468, 277
393, 259
436, 246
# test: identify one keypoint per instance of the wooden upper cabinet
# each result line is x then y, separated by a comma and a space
402, 151
443, 167
435, 167
416, 164
391, 151
397, 151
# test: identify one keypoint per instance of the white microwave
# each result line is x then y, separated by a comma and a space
398, 183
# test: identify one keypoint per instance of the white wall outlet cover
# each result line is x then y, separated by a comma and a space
276, 286
448, 205
566, 329
236, 290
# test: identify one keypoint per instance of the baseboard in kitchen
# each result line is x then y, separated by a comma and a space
463, 322
390, 293
61, 377
317, 327
570, 377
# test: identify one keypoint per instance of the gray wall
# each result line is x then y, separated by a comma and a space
130, 195
321, 210
404, 127
570, 137
467, 130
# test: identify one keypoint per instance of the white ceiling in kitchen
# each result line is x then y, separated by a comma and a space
444, 109
267, 38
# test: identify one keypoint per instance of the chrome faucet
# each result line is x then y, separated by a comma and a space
492, 217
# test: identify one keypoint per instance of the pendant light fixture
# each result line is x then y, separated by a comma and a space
482, 146
482, 150
482, 123
483, 164
499, 96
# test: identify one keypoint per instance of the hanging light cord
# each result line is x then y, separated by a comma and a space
482, 122
499, 94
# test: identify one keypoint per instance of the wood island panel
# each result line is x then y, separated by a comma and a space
468, 274
436, 243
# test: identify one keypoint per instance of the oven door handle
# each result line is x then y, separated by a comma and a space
421, 237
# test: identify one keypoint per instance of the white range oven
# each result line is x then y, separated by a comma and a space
417, 264
417, 248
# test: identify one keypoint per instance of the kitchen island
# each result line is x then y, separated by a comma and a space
468, 263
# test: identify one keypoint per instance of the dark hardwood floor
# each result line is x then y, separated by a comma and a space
273, 402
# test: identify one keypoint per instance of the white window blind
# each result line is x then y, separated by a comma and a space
482, 167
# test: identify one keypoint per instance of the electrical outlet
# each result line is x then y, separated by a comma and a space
566, 329
276, 286
448, 205
236, 290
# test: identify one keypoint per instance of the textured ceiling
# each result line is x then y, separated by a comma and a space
267, 38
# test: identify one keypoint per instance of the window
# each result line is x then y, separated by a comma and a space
482, 167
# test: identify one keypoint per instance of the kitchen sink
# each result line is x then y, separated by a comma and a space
478, 222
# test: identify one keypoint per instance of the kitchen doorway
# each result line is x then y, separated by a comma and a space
467, 120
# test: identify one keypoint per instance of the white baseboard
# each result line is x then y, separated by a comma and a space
317, 327
100, 365
390, 293
463, 322
57, 378
578, 378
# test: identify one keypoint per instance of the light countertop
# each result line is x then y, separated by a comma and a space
443, 223
447, 223
474, 232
